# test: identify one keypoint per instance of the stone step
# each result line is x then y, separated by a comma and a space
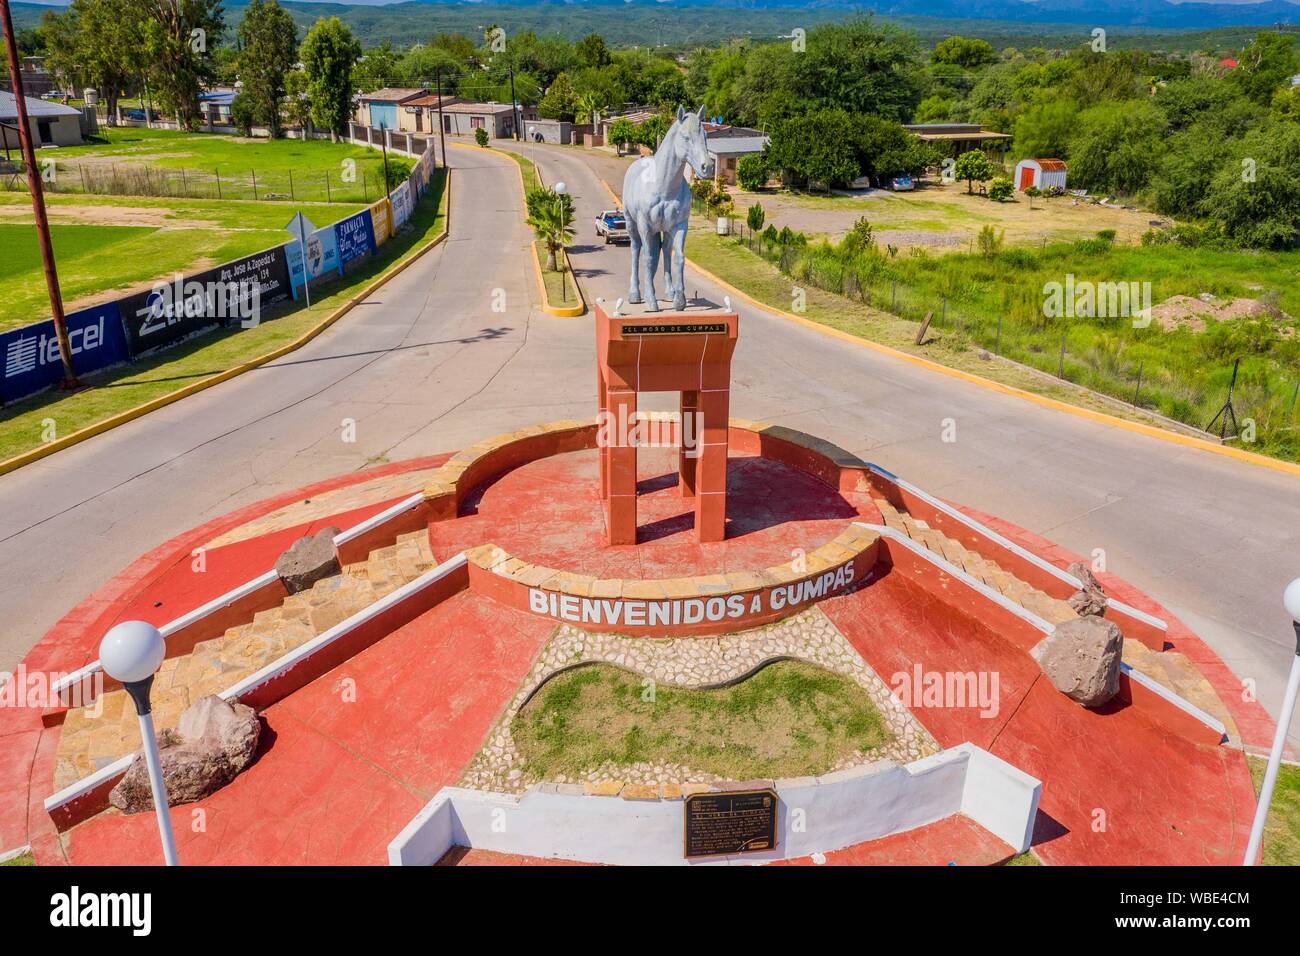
86, 744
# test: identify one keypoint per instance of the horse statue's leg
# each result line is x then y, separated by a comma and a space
669, 288
634, 237
678, 250
652, 242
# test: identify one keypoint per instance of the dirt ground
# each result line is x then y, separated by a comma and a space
106, 215
942, 216
1195, 312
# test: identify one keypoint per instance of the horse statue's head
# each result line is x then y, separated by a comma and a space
692, 144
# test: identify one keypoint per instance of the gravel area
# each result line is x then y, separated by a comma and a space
695, 662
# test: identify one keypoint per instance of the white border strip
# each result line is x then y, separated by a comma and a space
921, 551
844, 808
185, 620
1011, 546
1181, 703
357, 530
8, 855
274, 669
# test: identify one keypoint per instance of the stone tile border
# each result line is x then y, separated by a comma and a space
697, 663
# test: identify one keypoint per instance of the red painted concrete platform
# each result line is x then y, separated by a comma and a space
548, 512
350, 758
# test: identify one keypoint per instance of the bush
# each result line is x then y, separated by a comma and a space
751, 172
989, 241
243, 113
1000, 190
481, 136
771, 236
755, 218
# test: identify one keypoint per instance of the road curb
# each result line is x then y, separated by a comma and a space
98, 428
1101, 418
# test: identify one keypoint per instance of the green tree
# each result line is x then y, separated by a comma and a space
180, 37
820, 147
650, 131
268, 43
622, 132
934, 109
1256, 198
972, 166
481, 136
1117, 146
1265, 65
560, 101
751, 171
551, 217
297, 102
965, 52
1044, 129
97, 43
591, 51
755, 217
329, 54
243, 113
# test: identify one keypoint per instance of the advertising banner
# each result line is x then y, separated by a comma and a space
31, 353
381, 222
354, 237
322, 256
236, 291
402, 204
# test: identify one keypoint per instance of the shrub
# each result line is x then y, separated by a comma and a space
1000, 190
751, 172
989, 241
771, 236
1107, 235
755, 218
243, 113
481, 136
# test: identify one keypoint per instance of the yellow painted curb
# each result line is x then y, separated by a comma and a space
564, 311
1188, 441
98, 428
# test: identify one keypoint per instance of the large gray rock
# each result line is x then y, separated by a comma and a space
309, 559
213, 741
1081, 658
1091, 599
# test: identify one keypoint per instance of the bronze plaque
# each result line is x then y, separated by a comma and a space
736, 821
679, 328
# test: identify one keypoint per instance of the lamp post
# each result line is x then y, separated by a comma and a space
1291, 600
131, 652
560, 190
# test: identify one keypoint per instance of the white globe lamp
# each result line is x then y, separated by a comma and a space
1290, 601
132, 652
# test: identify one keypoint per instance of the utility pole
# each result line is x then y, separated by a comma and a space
38, 201
514, 112
441, 125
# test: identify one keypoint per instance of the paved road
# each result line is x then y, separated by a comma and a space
426, 366
1215, 540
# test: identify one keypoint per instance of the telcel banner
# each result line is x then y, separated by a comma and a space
31, 354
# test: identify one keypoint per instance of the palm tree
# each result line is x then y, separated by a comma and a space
552, 220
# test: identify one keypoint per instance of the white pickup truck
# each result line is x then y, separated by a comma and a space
612, 226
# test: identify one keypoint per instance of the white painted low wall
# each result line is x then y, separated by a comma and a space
815, 815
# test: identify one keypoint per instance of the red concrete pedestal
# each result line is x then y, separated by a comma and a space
687, 352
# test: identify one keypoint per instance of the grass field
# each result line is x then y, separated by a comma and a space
1282, 828
117, 390
788, 719
165, 162
107, 245
994, 304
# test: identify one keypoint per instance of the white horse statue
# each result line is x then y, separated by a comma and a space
657, 204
